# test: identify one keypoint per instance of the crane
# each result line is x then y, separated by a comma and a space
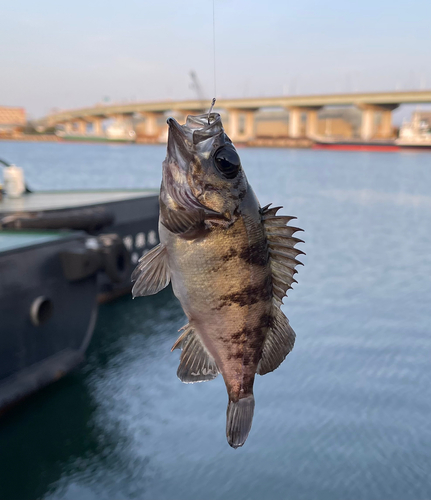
197, 87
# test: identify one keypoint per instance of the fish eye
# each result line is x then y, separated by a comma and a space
227, 161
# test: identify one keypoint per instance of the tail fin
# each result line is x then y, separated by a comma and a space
239, 417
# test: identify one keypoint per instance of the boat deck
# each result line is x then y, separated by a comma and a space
14, 240
58, 200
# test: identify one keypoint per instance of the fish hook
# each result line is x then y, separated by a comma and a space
211, 108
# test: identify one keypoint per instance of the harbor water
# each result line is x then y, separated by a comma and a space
346, 416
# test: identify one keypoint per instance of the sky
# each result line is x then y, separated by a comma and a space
62, 55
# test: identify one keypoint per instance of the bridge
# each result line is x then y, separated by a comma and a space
241, 113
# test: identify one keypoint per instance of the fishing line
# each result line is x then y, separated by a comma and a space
214, 65
211, 108
214, 51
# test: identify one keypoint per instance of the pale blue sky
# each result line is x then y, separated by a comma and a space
72, 54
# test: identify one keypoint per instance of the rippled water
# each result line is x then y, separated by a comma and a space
346, 416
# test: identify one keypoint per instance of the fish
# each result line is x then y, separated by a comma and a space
230, 262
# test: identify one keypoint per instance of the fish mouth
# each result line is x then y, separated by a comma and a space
187, 144
179, 144
176, 130
191, 144
183, 139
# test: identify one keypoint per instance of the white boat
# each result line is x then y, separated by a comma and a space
120, 131
415, 134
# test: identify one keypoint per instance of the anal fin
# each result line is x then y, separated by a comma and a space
152, 272
196, 363
279, 341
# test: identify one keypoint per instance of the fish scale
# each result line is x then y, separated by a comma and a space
230, 263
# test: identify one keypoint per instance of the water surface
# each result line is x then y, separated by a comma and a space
346, 416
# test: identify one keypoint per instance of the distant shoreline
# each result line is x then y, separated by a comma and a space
265, 142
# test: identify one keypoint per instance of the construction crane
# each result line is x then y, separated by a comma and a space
197, 87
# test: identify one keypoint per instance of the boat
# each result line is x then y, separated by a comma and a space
415, 134
355, 144
116, 132
120, 132
61, 254
132, 215
47, 317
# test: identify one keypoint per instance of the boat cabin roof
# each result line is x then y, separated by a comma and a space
57, 200
12, 240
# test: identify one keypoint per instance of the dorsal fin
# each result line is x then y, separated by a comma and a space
280, 337
282, 251
196, 363
152, 272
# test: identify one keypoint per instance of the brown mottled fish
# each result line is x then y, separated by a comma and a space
230, 263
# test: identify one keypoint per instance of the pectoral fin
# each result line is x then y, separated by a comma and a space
196, 364
152, 272
181, 221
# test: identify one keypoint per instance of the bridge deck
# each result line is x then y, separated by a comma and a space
370, 98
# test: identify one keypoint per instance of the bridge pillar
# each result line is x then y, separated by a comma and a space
311, 123
367, 124
250, 126
68, 128
295, 122
151, 127
241, 125
386, 124
97, 126
233, 126
81, 127
368, 128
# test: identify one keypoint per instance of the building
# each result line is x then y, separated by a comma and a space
12, 121
340, 122
422, 116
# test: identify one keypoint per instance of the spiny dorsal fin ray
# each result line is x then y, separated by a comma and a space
269, 211
286, 231
284, 257
282, 251
282, 272
279, 341
186, 329
280, 338
277, 220
196, 364
287, 249
152, 272
283, 238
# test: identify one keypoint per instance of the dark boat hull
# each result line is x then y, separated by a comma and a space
416, 147
132, 215
356, 146
106, 232
47, 321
